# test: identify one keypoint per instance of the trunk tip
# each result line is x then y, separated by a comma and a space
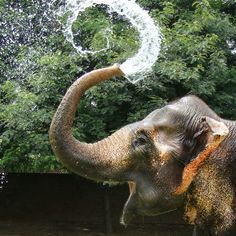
116, 66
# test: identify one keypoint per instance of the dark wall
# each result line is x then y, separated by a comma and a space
70, 203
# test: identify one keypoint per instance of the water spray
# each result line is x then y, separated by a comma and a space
3, 179
141, 63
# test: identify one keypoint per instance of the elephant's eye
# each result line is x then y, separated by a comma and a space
139, 141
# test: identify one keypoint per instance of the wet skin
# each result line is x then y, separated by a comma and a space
158, 156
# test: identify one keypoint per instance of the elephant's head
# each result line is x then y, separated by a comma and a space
158, 156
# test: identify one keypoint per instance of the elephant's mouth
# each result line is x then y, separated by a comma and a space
156, 212
135, 206
131, 210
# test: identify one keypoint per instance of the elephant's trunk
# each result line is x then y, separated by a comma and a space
103, 160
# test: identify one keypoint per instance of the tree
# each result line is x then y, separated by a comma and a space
37, 65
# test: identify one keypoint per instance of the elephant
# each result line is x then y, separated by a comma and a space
180, 155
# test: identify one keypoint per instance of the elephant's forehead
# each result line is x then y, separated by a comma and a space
173, 114
168, 115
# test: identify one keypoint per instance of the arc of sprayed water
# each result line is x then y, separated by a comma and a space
150, 37
75, 9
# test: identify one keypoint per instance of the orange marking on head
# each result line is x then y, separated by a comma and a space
191, 170
164, 154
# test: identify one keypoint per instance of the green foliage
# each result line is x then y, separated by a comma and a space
37, 69
197, 55
97, 28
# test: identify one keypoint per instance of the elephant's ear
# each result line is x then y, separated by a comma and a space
215, 132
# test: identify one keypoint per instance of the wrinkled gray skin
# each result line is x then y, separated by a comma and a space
149, 154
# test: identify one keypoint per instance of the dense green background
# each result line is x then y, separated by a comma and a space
37, 65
